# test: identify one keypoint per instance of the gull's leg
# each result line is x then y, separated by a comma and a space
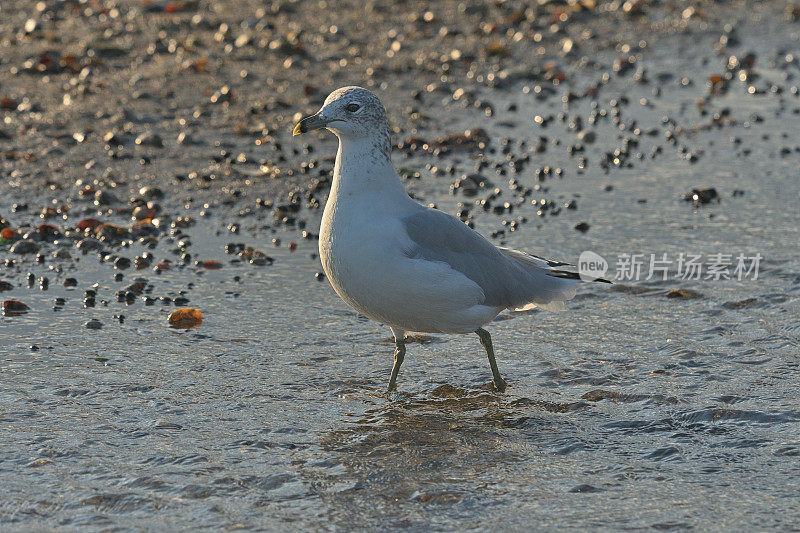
399, 355
486, 341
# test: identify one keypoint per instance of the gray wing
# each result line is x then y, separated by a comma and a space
509, 278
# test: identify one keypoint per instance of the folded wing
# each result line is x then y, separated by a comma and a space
509, 278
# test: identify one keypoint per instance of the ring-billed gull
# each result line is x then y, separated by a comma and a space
408, 266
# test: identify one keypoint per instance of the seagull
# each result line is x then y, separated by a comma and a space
408, 266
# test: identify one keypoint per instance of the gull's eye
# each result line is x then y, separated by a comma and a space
352, 108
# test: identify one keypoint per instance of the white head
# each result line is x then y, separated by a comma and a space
352, 114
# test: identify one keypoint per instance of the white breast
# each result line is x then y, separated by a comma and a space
355, 245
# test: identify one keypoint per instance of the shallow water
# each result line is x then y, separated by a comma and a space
630, 410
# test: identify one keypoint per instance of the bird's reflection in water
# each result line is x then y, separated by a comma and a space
448, 446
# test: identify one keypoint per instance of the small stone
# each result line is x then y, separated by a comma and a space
701, 196
14, 307
685, 294
113, 138
24, 247
209, 264
143, 212
111, 232
89, 244
150, 139
185, 318
583, 227
260, 259
470, 184
151, 192
105, 198
185, 138
88, 224
143, 261
741, 304
9, 234
94, 324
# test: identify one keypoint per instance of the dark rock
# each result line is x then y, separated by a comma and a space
14, 307
150, 139
151, 192
701, 196
105, 198
24, 247
583, 227
740, 304
470, 184
94, 324
685, 294
88, 244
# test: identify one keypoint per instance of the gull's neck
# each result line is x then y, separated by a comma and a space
364, 167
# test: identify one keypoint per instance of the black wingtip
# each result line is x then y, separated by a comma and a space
565, 274
550, 262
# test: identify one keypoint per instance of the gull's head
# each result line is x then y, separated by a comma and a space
350, 113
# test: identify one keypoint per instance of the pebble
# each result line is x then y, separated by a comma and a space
741, 304
12, 307
9, 234
185, 318
185, 138
684, 294
149, 138
94, 324
105, 198
151, 192
701, 196
88, 244
24, 247
470, 184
